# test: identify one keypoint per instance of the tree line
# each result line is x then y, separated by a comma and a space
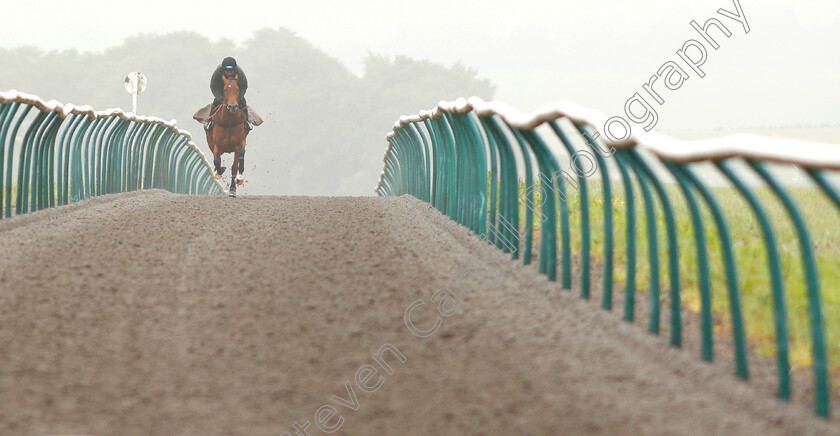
324, 126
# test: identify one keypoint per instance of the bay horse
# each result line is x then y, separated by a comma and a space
228, 135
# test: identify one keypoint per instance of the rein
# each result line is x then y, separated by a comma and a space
230, 123
218, 109
216, 112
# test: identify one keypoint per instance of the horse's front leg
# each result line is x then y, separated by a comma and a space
210, 143
217, 162
236, 167
233, 177
242, 161
240, 165
233, 169
217, 155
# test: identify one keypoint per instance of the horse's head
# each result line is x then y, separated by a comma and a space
231, 100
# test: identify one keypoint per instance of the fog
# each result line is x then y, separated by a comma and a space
779, 79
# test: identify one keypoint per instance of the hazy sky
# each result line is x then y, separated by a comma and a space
786, 71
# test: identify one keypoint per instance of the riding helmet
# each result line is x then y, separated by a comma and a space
229, 62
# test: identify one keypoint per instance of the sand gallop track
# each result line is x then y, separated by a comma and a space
158, 314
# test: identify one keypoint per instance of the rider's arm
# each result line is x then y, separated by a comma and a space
218, 90
243, 82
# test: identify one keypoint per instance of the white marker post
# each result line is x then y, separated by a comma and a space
135, 84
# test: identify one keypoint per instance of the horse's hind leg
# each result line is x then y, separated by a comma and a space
232, 191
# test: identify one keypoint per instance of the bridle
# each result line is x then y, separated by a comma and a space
235, 78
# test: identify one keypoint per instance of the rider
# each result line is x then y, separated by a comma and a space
228, 69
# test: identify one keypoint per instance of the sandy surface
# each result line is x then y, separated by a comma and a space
154, 313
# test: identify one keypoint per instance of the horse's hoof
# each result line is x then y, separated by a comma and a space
240, 180
217, 175
232, 194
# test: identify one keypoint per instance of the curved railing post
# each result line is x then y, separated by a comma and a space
775, 269
673, 249
815, 316
70, 152
447, 156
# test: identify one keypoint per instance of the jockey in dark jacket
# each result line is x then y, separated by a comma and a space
228, 69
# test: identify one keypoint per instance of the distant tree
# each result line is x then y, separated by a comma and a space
408, 84
324, 126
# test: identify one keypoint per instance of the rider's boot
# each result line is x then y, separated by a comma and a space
209, 123
243, 104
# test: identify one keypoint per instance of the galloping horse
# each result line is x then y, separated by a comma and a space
228, 135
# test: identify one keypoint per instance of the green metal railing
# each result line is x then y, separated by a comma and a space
478, 162
53, 154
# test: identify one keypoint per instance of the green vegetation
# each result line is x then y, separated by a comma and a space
823, 220
13, 200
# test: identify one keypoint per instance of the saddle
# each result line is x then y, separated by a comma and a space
204, 113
